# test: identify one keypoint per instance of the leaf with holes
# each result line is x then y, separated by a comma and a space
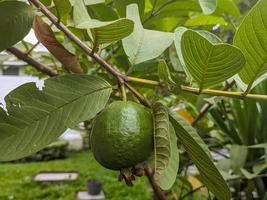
16, 21
208, 6
251, 39
36, 118
208, 63
144, 44
199, 153
168, 177
162, 142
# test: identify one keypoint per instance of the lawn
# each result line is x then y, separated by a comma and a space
16, 181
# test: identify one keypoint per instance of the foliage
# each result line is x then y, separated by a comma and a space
142, 50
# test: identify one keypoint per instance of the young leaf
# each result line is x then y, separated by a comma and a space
143, 44
36, 118
46, 36
251, 38
164, 73
162, 148
168, 177
198, 151
208, 63
208, 6
99, 31
16, 21
108, 32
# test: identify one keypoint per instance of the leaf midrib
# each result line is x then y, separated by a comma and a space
57, 108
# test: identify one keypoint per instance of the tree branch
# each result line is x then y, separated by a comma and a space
120, 77
26, 58
76, 40
208, 106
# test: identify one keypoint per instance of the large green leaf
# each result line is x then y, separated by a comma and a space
162, 143
143, 44
197, 149
36, 118
16, 21
168, 177
178, 41
208, 6
100, 31
251, 38
208, 63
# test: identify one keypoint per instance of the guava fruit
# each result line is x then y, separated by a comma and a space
122, 135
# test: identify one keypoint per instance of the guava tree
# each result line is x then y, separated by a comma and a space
109, 57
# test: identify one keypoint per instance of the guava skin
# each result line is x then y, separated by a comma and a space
122, 135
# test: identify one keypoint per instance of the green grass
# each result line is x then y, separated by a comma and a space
16, 181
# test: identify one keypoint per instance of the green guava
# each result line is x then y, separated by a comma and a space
122, 135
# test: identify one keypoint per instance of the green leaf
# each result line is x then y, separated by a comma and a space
108, 32
16, 21
143, 44
204, 20
88, 2
251, 38
208, 6
101, 32
210, 64
178, 41
62, 7
36, 118
228, 6
168, 177
177, 8
164, 73
238, 155
162, 143
197, 149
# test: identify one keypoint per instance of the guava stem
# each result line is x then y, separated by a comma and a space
123, 91
158, 192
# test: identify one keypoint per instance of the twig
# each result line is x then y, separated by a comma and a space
140, 97
156, 12
157, 190
33, 47
26, 58
239, 95
208, 105
191, 192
